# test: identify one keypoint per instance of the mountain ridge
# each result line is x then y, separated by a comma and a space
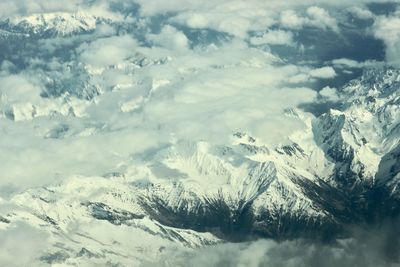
341, 170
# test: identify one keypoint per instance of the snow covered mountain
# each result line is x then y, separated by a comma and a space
199, 133
344, 168
51, 24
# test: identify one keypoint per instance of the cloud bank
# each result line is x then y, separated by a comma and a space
374, 246
152, 73
387, 28
167, 71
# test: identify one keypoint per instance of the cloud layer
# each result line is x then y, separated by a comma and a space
166, 72
155, 72
369, 247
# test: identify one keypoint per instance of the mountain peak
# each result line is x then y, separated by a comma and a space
375, 83
56, 23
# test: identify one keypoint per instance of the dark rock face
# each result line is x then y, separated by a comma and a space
4, 220
57, 257
362, 206
213, 215
101, 211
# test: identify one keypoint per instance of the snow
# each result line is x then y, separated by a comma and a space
61, 211
107, 216
58, 22
185, 173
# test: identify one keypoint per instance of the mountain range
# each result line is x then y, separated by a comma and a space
342, 169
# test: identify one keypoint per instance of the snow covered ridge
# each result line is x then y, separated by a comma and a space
51, 24
343, 169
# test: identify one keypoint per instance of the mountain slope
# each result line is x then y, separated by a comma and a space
51, 24
343, 168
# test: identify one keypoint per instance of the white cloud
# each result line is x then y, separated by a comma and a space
346, 62
350, 63
51, 160
329, 93
228, 87
238, 18
99, 8
275, 37
323, 73
235, 20
107, 51
239, 96
26, 7
170, 38
157, 90
369, 250
18, 88
361, 13
388, 29
321, 18
149, 8
22, 245
315, 17
290, 19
